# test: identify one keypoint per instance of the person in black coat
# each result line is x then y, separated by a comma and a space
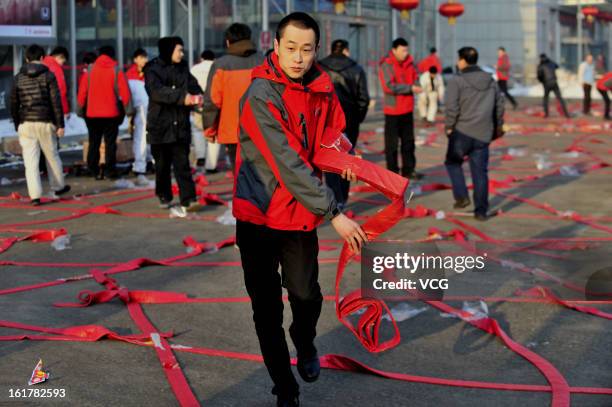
351, 86
548, 77
36, 109
173, 92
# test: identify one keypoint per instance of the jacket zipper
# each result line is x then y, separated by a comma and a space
304, 131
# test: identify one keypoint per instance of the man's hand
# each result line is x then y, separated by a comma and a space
416, 89
449, 132
499, 133
210, 134
60, 132
350, 231
193, 100
349, 175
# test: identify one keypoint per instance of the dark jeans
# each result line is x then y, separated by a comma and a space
503, 86
459, 146
107, 129
586, 103
555, 89
400, 127
334, 181
262, 250
230, 149
606, 99
168, 156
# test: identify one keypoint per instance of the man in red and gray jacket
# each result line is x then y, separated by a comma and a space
604, 87
279, 198
397, 76
104, 95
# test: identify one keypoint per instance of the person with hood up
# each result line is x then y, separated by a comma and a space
229, 78
38, 116
351, 86
474, 117
398, 79
103, 98
173, 92
547, 75
135, 76
279, 199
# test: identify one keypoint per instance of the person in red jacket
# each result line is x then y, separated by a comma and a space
55, 62
604, 86
103, 95
503, 74
397, 77
280, 199
431, 60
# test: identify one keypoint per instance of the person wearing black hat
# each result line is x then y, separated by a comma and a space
173, 92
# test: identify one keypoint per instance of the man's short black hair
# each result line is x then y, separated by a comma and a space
107, 50
299, 20
207, 55
34, 53
89, 58
433, 69
469, 55
140, 52
338, 46
399, 42
433, 50
502, 49
237, 32
57, 51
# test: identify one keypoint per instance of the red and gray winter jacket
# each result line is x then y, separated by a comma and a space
282, 124
396, 79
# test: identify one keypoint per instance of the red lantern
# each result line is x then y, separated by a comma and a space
404, 6
339, 5
590, 13
451, 10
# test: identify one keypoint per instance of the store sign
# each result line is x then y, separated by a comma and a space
26, 19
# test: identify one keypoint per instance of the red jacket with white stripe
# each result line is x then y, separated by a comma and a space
396, 79
282, 124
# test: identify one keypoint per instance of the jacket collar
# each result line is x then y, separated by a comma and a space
242, 48
471, 68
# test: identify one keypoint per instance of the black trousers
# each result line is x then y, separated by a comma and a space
400, 128
606, 99
586, 103
99, 129
341, 186
503, 86
555, 89
262, 250
175, 156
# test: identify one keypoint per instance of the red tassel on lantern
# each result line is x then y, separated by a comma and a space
339, 5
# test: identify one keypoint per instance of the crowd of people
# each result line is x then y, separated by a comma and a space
270, 112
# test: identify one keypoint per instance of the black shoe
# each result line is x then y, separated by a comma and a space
63, 190
462, 203
213, 171
480, 217
99, 176
113, 175
284, 402
415, 176
201, 162
35, 202
309, 369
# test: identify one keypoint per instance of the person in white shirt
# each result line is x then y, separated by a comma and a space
433, 91
586, 76
140, 101
206, 152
